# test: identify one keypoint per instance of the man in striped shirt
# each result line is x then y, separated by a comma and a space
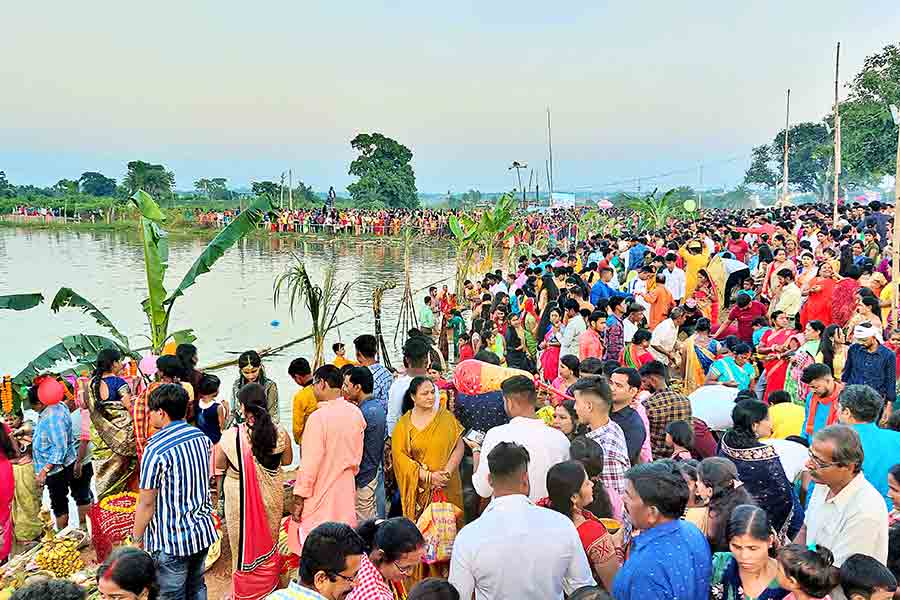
173, 520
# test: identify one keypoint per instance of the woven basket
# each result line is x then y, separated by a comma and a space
112, 521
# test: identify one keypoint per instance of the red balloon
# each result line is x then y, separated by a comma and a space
50, 392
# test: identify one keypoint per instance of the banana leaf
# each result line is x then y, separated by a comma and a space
156, 258
20, 301
67, 297
182, 336
247, 221
81, 349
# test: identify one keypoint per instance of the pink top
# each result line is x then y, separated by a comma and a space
331, 451
791, 596
638, 405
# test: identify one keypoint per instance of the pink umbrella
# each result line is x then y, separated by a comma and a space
148, 365
604, 204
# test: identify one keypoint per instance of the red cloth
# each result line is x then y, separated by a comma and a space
466, 352
843, 301
831, 401
739, 248
818, 304
7, 489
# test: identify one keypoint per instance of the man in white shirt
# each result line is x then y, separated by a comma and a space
665, 337
516, 549
545, 445
790, 297
416, 353
634, 317
676, 280
846, 514
638, 286
575, 326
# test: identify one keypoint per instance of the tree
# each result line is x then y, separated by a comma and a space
153, 179
653, 212
7, 190
682, 193
66, 187
384, 171
97, 184
808, 159
268, 189
304, 195
215, 189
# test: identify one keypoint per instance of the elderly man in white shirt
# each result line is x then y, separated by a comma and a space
846, 514
545, 445
516, 549
664, 337
676, 280
573, 329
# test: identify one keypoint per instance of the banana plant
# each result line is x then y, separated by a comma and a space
465, 235
82, 349
653, 212
495, 227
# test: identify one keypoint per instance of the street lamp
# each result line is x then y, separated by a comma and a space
518, 167
895, 259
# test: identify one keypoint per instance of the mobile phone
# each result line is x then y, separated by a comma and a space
475, 436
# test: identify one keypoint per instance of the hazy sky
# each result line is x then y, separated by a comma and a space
244, 90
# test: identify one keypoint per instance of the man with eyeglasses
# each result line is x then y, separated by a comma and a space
846, 514
329, 564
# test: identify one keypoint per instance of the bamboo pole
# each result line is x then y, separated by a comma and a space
264, 352
837, 134
787, 120
377, 296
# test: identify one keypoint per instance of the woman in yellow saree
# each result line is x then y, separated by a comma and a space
427, 448
698, 357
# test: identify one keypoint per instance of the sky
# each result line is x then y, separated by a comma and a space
246, 90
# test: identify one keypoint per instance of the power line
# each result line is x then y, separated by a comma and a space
643, 178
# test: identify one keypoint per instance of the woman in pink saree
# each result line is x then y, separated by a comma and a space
7, 490
772, 347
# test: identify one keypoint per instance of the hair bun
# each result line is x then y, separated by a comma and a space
824, 553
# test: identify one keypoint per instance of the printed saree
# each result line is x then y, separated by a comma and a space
256, 561
759, 468
697, 361
115, 458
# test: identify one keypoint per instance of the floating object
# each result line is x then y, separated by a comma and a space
604, 204
275, 323
474, 377
50, 392
169, 349
690, 205
148, 365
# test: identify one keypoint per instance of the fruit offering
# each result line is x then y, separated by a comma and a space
60, 556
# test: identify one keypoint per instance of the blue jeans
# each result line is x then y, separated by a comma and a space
180, 577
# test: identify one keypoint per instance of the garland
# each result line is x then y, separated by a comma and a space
6, 395
120, 503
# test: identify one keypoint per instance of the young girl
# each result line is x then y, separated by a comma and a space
680, 435
211, 413
807, 574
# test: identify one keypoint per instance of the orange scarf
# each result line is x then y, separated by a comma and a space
830, 401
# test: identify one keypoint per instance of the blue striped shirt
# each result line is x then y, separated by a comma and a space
176, 463
52, 440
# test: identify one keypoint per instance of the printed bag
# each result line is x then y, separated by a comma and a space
438, 526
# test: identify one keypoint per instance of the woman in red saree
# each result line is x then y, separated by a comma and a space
818, 296
772, 347
249, 459
7, 491
771, 288
843, 300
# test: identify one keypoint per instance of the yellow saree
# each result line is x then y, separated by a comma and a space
429, 448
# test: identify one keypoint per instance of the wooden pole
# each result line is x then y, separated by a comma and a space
787, 120
550, 147
895, 259
837, 134
290, 189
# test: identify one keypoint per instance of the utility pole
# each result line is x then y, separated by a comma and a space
837, 133
895, 259
700, 188
787, 120
290, 189
281, 192
550, 146
518, 167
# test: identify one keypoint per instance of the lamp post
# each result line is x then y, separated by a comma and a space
518, 167
895, 258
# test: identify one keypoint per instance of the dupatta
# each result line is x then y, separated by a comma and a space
697, 361
258, 561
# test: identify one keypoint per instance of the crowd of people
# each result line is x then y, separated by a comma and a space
705, 411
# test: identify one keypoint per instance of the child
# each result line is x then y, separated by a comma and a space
465, 350
787, 418
458, 326
864, 578
211, 413
680, 435
806, 573
339, 359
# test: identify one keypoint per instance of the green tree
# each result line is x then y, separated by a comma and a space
215, 189
153, 179
268, 189
808, 159
97, 184
7, 190
384, 171
304, 195
66, 187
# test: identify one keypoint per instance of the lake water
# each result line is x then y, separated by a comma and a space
230, 308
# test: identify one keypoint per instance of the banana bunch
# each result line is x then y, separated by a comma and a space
60, 556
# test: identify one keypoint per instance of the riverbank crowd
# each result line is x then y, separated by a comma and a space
705, 410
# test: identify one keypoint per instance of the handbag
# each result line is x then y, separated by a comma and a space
438, 526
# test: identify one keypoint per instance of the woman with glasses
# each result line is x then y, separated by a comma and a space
252, 371
394, 548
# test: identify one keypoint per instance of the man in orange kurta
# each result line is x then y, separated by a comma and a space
331, 451
660, 301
